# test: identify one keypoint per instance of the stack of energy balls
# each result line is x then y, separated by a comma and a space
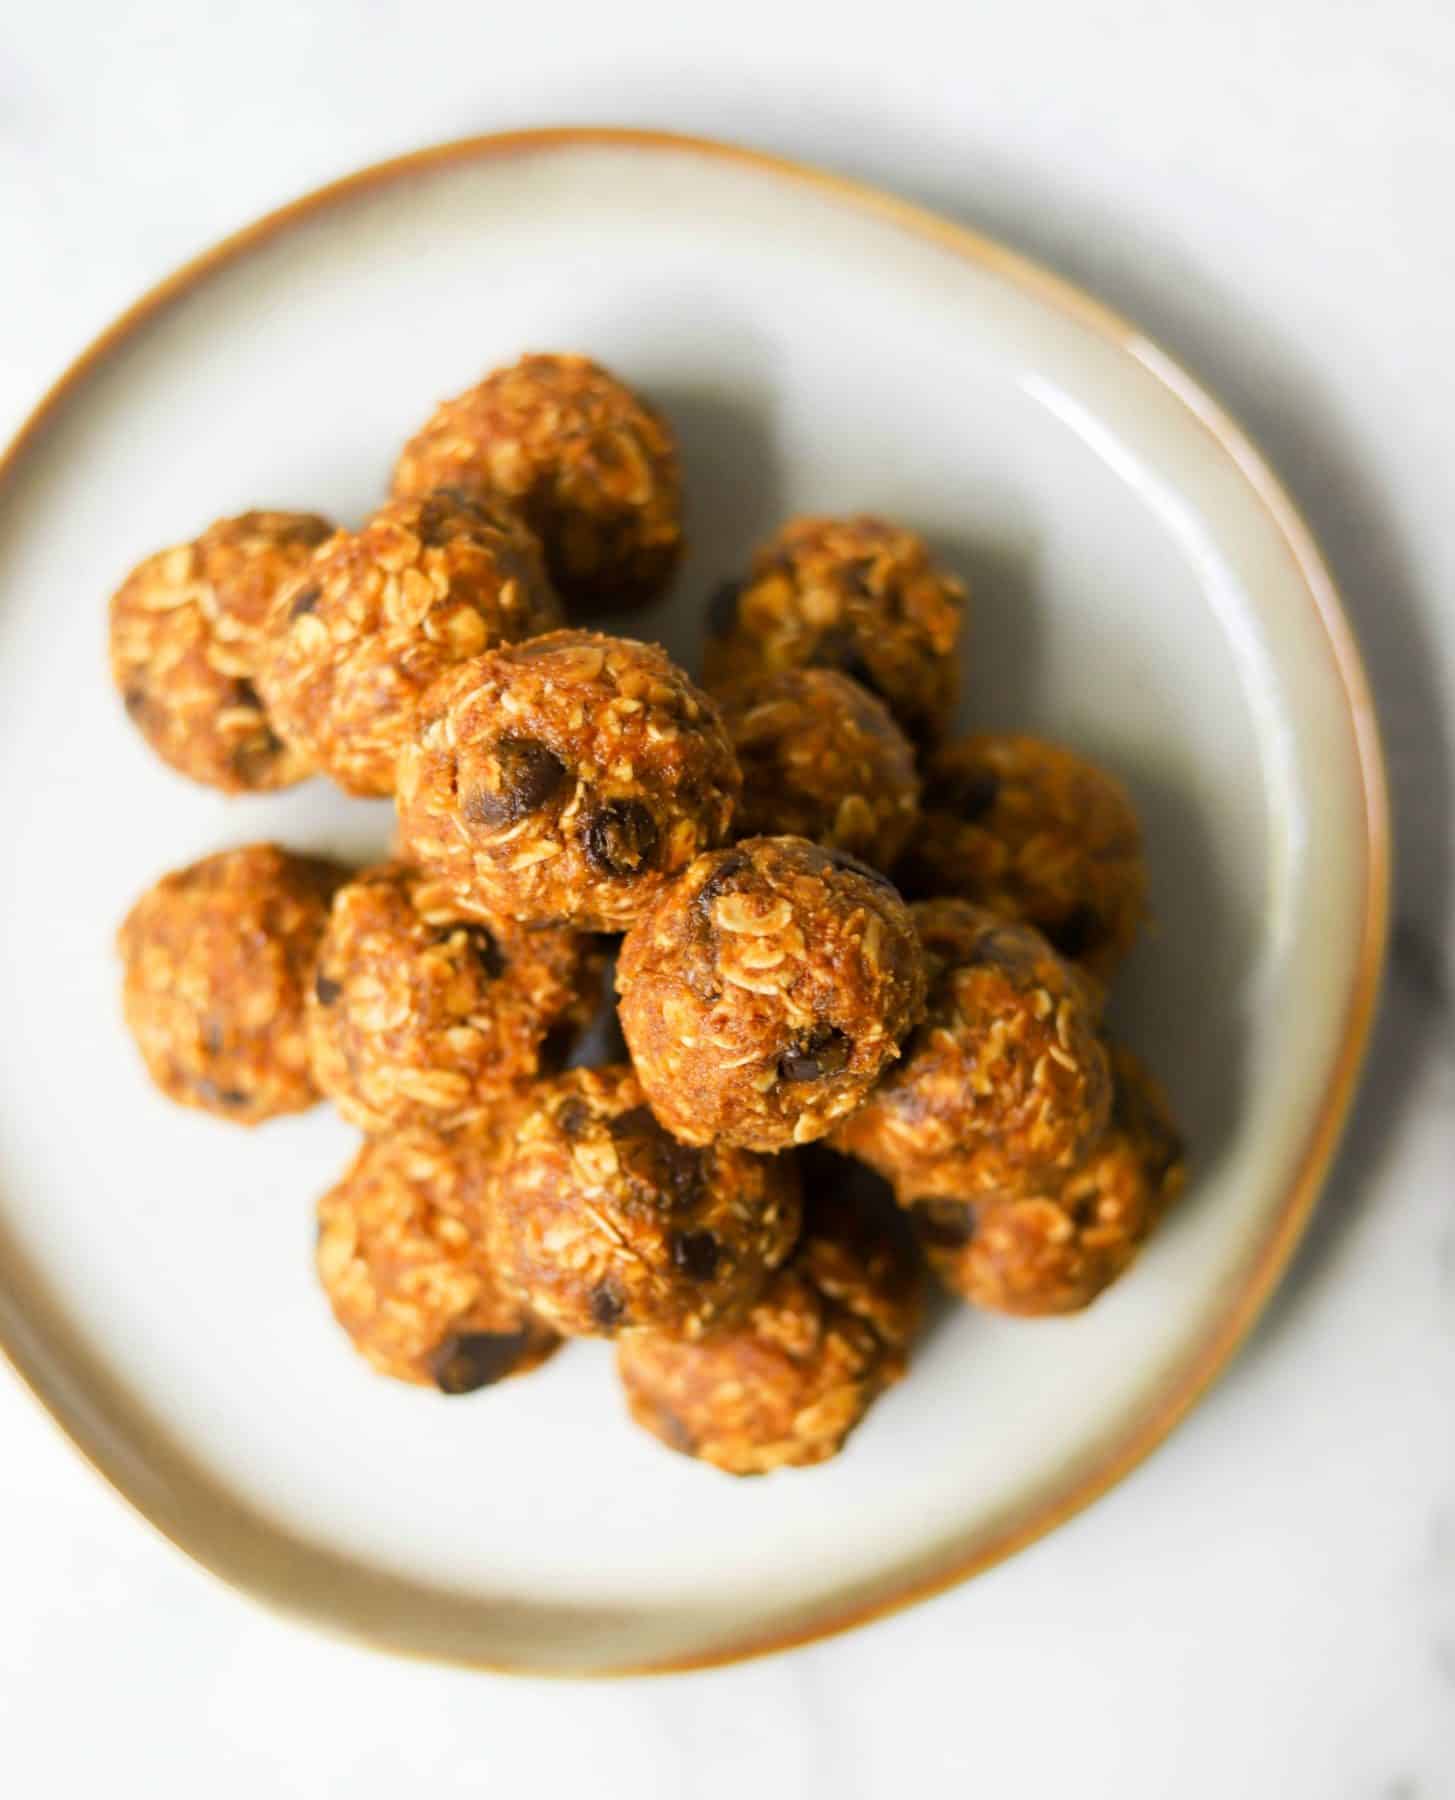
836, 930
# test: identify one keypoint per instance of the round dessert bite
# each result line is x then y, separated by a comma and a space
1053, 1250
821, 759
1032, 832
186, 638
785, 1388
566, 780
402, 1263
378, 614
604, 1224
1004, 1082
765, 993
588, 464
419, 1017
858, 595
218, 959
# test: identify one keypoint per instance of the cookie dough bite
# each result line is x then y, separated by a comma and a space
1005, 1081
606, 1225
858, 595
767, 991
186, 629
218, 958
821, 759
589, 465
378, 614
1054, 1249
417, 1017
405, 1270
785, 1388
566, 780
1032, 832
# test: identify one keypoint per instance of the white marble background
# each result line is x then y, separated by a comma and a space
1267, 1609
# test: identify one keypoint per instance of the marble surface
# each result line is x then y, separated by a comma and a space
1267, 1608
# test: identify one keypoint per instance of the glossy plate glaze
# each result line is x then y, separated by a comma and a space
1142, 589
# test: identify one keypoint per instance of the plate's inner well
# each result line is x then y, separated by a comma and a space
1130, 595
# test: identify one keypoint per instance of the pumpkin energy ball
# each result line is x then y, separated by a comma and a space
1032, 832
401, 1262
766, 992
419, 1017
566, 780
821, 759
218, 959
379, 614
857, 595
587, 463
604, 1224
1004, 1082
784, 1389
186, 638
1053, 1250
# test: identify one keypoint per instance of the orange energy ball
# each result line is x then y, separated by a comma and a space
858, 595
1032, 832
588, 464
565, 781
186, 639
1054, 1248
785, 1388
767, 991
1004, 1081
404, 1267
604, 1224
219, 958
822, 759
378, 614
419, 1017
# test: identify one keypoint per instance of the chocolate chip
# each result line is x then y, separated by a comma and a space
856, 575
212, 1037
135, 701
673, 1431
695, 1253
722, 608
219, 1096
529, 774
1084, 1212
841, 649
640, 1121
844, 859
573, 1116
251, 758
607, 1305
1076, 933
945, 1224
827, 1052
245, 694
438, 521
656, 1159
731, 865
305, 600
619, 839
326, 989
480, 948
1004, 947
968, 793
475, 1359
681, 1171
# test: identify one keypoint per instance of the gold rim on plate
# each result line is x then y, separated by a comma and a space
1171, 1404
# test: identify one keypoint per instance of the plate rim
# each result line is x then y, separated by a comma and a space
1174, 1399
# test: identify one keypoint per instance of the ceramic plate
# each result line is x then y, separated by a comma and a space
1142, 590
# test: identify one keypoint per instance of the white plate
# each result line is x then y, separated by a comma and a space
1141, 589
